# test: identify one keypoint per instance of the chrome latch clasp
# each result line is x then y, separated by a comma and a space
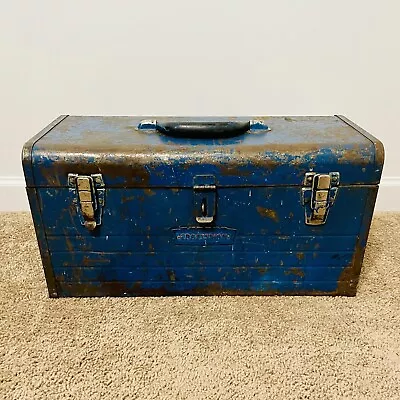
88, 196
205, 193
318, 196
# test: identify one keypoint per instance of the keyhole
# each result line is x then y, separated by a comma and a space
204, 207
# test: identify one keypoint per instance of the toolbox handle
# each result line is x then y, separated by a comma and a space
204, 130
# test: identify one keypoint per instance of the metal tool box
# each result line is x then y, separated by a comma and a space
132, 206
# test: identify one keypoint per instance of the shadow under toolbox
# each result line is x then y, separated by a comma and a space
127, 206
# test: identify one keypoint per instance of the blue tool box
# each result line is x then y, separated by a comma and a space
134, 206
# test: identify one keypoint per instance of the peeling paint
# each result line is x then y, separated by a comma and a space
268, 213
295, 271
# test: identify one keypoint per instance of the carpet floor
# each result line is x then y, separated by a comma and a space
198, 347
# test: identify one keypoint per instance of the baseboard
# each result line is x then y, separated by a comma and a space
13, 195
388, 193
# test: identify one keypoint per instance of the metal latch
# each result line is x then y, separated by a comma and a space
318, 195
205, 193
88, 196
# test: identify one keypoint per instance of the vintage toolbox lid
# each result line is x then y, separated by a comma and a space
171, 151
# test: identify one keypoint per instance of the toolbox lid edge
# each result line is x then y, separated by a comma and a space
128, 158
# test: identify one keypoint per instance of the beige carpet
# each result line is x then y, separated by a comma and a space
194, 347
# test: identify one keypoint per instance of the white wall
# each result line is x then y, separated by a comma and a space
209, 57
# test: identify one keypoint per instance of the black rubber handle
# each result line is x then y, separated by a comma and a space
204, 130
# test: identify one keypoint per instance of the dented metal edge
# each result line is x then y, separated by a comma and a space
26, 156
379, 148
42, 241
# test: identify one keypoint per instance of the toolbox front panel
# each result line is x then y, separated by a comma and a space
259, 243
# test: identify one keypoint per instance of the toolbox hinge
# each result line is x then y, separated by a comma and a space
88, 193
318, 196
205, 194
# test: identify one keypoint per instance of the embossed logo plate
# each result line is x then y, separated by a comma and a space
204, 236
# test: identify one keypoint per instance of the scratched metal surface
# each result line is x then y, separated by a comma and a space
149, 242
128, 157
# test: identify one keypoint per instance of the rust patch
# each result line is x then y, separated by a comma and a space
348, 279
151, 248
268, 213
295, 271
89, 262
354, 156
134, 174
300, 256
68, 243
379, 149
149, 192
379, 153
238, 270
77, 273
233, 170
171, 275
126, 199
